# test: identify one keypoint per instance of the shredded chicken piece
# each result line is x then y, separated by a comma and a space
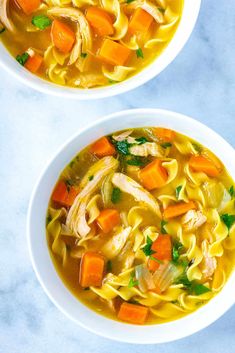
208, 264
146, 149
88, 80
128, 185
149, 7
76, 16
4, 17
77, 48
115, 244
76, 219
193, 219
122, 136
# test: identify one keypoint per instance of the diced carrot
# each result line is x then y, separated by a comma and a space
209, 155
91, 269
64, 196
154, 175
34, 62
108, 219
62, 36
203, 164
102, 148
114, 53
135, 314
178, 209
140, 21
100, 20
29, 6
163, 134
163, 251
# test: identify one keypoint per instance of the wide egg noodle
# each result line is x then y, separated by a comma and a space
121, 20
54, 231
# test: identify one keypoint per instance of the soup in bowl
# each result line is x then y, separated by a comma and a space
139, 227
81, 44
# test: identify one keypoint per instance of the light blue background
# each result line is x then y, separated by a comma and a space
200, 83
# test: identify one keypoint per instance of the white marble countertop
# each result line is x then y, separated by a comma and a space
200, 83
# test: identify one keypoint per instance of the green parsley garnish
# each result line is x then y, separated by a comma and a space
147, 248
177, 246
197, 147
155, 259
139, 53
138, 161
166, 144
161, 10
22, 58
109, 266
112, 82
228, 219
91, 177
2, 30
116, 195
231, 191
133, 282
49, 219
123, 147
141, 140
71, 164
129, 1
177, 191
84, 55
41, 21
193, 287
163, 224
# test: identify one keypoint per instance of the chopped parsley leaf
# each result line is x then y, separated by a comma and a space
112, 81
161, 10
22, 58
197, 147
163, 224
109, 266
91, 177
192, 286
123, 147
177, 191
133, 282
84, 55
2, 30
231, 191
138, 161
139, 53
228, 219
156, 259
141, 140
177, 246
147, 248
166, 144
41, 21
49, 219
71, 164
116, 195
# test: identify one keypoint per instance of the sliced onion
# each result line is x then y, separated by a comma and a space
144, 278
165, 275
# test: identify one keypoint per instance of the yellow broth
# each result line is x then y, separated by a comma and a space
88, 72
204, 191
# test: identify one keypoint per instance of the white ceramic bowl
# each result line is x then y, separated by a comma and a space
189, 17
42, 262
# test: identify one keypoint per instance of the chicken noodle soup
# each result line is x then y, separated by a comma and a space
141, 225
87, 43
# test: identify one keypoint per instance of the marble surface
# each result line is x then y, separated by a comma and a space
200, 83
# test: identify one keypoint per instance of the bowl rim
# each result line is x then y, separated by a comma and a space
173, 48
183, 327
